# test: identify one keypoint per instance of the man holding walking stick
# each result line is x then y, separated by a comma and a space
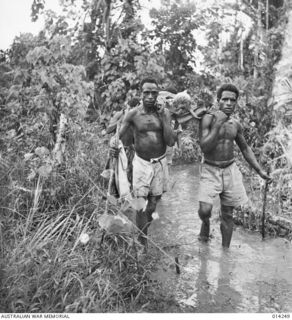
219, 172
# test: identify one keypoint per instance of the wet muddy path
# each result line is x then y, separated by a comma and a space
251, 276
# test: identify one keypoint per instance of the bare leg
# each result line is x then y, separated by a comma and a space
226, 225
143, 219
205, 214
142, 224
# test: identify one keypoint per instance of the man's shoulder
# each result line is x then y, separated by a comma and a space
208, 115
236, 121
133, 115
116, 115
133, 111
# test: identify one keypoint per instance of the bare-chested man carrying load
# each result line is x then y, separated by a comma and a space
152, 132
219, 173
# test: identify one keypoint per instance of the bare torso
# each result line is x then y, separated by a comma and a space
223, 152
148, 133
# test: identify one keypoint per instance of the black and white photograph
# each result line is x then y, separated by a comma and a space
146, 159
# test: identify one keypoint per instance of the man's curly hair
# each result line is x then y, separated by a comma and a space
227, 87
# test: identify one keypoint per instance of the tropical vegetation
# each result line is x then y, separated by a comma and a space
57, 92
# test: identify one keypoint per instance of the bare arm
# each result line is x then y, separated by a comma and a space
113, 122
248, 154
178, 133
168, 133
209, 131
126, 123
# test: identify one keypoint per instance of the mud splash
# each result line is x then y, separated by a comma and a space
251, 276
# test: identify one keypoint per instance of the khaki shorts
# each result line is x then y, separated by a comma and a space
150, 177
225, 182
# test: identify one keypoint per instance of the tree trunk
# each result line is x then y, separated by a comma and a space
59, 147
240, 59
282, 89
107, 22
258, 40
267, 15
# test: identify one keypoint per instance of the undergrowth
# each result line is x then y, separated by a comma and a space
45, 267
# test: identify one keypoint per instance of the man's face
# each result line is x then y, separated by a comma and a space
149, 94
227, 102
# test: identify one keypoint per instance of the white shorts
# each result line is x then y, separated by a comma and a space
225, 182
150, 177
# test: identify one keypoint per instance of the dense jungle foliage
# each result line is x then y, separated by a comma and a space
57, 92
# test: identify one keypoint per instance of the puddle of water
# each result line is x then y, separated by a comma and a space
251, 276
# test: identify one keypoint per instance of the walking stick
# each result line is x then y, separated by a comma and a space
264, 207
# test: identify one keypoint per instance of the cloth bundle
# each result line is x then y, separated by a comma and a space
181, 106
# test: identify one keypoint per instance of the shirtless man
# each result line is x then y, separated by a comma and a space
219, 173
127, 138
151, 126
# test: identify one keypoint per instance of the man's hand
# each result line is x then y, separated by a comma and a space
265, 176
220, 116
160, 109
163, 113
160, 106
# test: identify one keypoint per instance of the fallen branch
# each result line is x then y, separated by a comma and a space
281, 222
252, 220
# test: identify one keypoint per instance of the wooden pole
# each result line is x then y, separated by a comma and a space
177, 268
264, 207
